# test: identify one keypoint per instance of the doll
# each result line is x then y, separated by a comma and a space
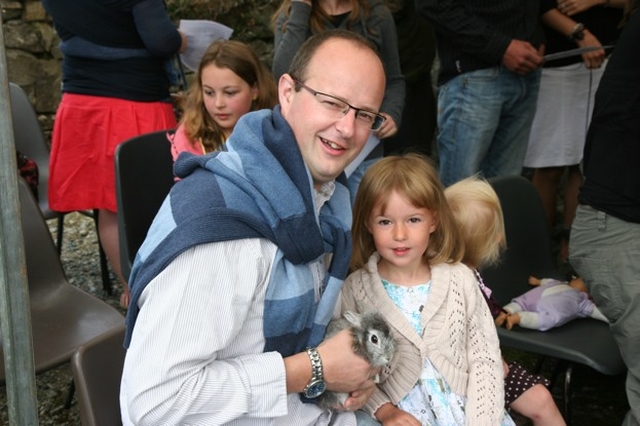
551, 303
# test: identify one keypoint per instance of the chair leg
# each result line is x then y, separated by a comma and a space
567, 394
59, 234
104, 265
70, 393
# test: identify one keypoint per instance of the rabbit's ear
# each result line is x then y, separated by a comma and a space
353, 318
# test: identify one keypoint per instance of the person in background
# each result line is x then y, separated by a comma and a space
114, 87
490, 54
605, 235
417, 49
565, 103
229, 82
406, 252
297, 20
241, 270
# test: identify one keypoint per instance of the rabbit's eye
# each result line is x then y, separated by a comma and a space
374, 339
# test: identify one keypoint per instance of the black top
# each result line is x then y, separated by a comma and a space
601, 21
115, 48
612, 149
474, 34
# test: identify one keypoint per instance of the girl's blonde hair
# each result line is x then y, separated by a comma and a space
241, 59
478, 214
414, 177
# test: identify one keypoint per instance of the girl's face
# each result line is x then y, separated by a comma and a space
401, 233
227, 97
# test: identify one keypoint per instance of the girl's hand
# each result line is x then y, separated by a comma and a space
390, 415
571, 7
388, 128
595, 58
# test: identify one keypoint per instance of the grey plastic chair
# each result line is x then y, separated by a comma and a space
144, 177
30, 141
529, 252
97, 369
63, 317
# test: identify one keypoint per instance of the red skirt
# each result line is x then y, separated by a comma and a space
86, 131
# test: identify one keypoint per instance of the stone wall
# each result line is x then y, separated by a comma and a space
34, 60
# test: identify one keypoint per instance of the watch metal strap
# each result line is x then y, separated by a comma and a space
316, 364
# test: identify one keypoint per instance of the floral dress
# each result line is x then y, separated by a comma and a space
431, 400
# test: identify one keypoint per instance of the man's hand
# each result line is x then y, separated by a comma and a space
521, 57
359, 397
344, 371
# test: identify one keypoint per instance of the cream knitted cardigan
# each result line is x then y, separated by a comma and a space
460, 339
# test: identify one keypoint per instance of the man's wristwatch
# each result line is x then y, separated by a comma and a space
577, 33
316, 385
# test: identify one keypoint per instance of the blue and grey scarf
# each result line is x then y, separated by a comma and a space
258, 188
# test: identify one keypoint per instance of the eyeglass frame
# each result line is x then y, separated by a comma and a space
377, 117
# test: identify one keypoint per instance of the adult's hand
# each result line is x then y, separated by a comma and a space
388, 128
359, 397
571, 7
344, 371
521, 57
595, 58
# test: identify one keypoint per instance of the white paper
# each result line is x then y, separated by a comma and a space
372, 142
200, 34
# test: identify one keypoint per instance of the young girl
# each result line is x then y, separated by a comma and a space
478, 214
230, 81
406, 249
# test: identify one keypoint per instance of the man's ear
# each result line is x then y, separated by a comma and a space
285, 91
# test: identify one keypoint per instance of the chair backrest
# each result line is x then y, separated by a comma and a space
529, 250
97, 369
44, 269
30, 140
63, 316
144, 176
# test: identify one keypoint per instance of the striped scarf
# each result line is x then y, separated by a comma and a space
258, 188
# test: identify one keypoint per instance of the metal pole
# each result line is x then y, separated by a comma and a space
15, 315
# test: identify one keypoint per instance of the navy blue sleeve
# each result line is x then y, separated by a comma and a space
159, 34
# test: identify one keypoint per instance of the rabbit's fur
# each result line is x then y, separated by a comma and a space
372, 340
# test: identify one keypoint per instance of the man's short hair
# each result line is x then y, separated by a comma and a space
301, 60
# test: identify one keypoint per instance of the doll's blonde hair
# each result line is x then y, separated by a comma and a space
478, 214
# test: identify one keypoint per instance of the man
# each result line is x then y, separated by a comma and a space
232, 283
489, 81
605, 236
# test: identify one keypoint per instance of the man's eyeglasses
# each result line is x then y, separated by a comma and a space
340, 108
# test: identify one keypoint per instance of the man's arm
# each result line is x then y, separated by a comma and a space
196, 350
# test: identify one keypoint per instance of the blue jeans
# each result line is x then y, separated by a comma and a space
605, 250
484, 120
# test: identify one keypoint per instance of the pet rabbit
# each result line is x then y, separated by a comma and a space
372, 340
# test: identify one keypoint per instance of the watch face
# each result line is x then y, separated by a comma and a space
315, 389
